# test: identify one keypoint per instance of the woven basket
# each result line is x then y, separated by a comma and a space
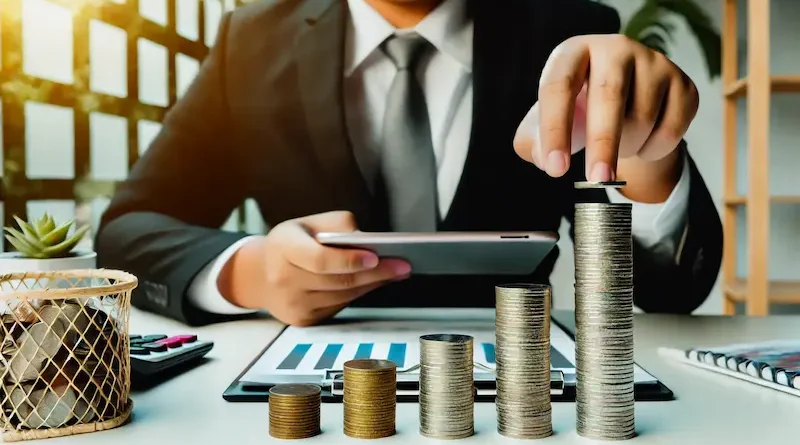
64, 361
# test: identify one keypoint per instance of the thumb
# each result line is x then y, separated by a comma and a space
335, 221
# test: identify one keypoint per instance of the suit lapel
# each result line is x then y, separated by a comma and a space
319, 53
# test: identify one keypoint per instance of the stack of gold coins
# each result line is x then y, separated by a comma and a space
294, 411
370, 398
522, 336
446, 386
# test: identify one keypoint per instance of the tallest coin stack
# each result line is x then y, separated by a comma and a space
604, 318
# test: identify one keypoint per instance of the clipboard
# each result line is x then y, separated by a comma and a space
562, 385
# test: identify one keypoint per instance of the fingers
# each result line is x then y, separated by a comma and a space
678, 111
607, 96
648, 87
562, 79
388, 269
301, 249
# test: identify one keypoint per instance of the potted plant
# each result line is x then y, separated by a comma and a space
652, 25
42, 246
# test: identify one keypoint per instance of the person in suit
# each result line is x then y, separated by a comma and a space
407, 115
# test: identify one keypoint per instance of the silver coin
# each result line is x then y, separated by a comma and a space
599, 184
446, 386
604, 319
522, 357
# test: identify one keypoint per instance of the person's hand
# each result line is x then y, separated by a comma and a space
300, 281
630, 106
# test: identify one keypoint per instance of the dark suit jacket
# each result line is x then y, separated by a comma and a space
264, 119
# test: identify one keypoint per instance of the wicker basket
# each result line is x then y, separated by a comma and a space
65, 362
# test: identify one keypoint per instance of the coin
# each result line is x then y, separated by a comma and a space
370, 398
446, 386
604, 320
522, 355
600, 184
294, 411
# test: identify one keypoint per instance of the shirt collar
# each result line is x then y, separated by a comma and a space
446, 28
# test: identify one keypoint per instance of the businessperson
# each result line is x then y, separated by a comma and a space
407, 115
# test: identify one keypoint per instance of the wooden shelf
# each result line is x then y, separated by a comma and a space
781, 292
778, 84
739, 200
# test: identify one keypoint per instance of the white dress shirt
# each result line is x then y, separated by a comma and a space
446, 79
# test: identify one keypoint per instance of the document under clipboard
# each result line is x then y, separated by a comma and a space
317, 354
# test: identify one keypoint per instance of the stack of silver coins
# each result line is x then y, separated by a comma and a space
446, 394
522, 354
604, 319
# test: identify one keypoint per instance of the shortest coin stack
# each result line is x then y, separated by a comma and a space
370, 398
294, 411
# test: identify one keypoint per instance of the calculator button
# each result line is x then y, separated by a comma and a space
188, 338
152, 338
134, 337
155, 347
136, 350
172, 342
138, 341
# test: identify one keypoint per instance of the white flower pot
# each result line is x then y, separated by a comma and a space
78, 259
15, 262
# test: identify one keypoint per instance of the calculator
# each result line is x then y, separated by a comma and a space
155, 355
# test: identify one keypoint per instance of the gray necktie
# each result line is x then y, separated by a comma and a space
408, 164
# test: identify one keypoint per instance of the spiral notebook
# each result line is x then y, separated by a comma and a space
774, 364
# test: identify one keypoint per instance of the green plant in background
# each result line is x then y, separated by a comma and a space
651, 26
42, 238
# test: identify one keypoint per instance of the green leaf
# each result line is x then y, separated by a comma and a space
643, 19
701, 25
21, 247
31, 244
57, 235
655, 42
62, 249
29, 232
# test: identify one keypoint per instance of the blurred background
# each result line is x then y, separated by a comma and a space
85, 84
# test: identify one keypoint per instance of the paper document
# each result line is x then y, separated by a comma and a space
310, 351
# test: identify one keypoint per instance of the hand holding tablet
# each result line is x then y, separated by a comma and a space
453, 253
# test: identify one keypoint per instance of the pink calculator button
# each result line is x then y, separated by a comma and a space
172, 342
187, 338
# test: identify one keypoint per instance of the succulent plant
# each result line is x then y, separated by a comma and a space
41, 238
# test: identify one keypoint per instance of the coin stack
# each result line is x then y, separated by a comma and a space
446, 386
604, 319
522, 354
370, 400
294, 411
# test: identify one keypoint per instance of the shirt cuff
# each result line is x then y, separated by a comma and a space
659, 227
204, 293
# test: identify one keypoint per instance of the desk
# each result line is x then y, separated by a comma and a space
189, 409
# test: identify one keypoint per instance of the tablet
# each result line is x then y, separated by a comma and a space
453, 253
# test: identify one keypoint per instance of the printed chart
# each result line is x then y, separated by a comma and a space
310, 351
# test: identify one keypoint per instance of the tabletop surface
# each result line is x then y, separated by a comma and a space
189, 408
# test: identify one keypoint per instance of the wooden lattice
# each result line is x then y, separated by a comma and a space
17, 88
65, 356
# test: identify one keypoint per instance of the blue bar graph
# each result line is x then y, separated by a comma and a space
488, 349
329, 356
397, 354
293, 359
364, 351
